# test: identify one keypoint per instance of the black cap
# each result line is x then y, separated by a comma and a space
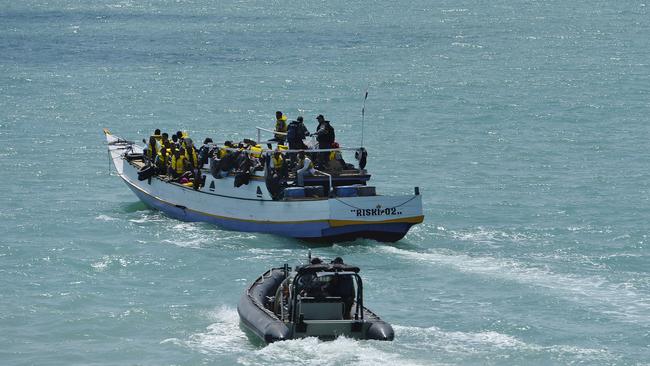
299, 118
320, 117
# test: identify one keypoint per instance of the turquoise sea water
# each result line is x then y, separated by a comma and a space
525, 124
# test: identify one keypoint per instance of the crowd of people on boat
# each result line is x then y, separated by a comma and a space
177, 158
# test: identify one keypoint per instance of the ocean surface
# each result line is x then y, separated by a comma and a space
524, 123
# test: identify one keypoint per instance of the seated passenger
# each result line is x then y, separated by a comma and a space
335, 162
190, 154
175, 143
304, 168
178, 164
277, 164
162, 160
204, 151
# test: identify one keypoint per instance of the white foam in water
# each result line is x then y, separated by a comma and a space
434, 338
222, 337
105, 218
225, 337
188, 235
477, 344
628, 304
107, 261
312, 351
486, 236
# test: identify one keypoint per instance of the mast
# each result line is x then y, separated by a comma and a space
363, 114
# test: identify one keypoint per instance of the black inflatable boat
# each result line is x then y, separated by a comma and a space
316, 300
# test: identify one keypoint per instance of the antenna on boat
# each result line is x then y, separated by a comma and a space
363, 113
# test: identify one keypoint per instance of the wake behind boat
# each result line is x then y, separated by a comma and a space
332, 206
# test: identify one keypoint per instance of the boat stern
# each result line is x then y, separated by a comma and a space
382, 218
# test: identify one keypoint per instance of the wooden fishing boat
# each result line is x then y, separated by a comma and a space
332, 215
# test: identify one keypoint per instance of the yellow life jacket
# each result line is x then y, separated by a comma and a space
178, 164
281, 126
256, 151
277, 163
162, 159
283, 147
222, 152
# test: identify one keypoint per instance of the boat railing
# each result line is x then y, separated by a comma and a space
260, 129
329, 176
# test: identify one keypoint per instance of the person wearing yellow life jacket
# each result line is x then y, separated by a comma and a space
162, 160
223, 151
305, 167
178, 163
277, 163
280, 126
335, 162
190, 153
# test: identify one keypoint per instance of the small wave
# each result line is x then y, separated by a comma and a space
108, 261
105, 218
486, 236
188, 243
147, 218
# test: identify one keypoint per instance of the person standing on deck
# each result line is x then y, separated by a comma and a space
296, 133
325, 136
280, 126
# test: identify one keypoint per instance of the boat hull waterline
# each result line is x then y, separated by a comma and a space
250, 208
